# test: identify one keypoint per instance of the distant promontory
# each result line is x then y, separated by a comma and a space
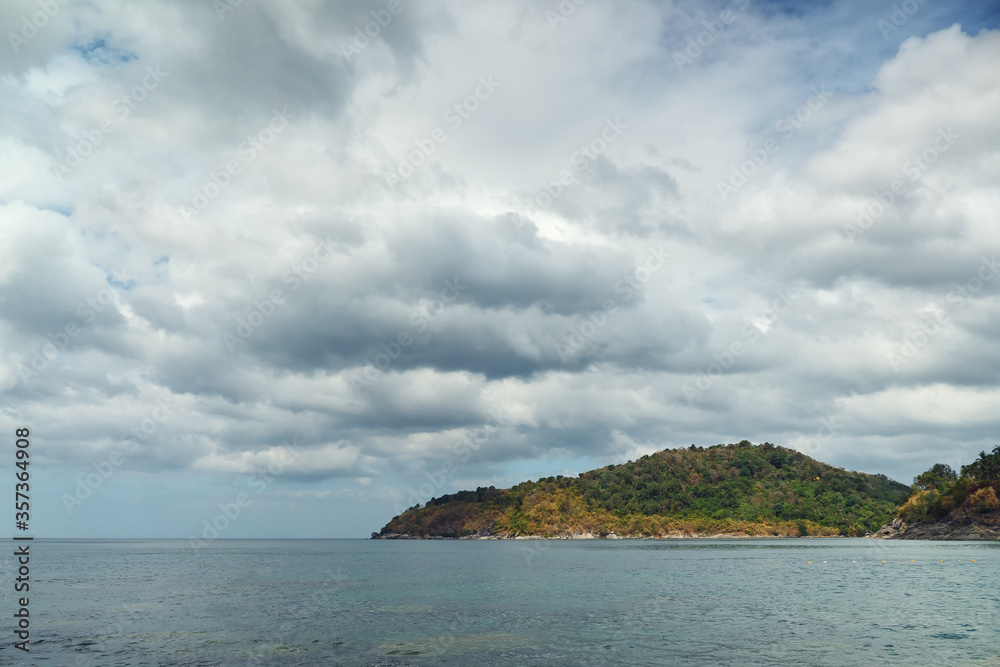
738, 490
950, 505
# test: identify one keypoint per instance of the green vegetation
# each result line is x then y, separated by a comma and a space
941, 493
739, 489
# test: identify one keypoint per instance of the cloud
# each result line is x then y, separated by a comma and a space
229, 245
322, 461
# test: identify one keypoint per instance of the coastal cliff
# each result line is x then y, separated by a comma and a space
948, 505
736, 490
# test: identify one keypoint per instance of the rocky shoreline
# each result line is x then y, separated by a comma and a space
964, 528
952, 528
584, 536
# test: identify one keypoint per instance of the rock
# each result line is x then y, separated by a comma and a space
952, 528
890, 530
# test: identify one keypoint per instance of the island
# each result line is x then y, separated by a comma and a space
734, 490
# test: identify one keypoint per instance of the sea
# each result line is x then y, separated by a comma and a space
804, 601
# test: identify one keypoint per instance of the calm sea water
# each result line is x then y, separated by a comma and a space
360, 602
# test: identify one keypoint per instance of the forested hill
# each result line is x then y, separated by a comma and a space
950, 505
742, 489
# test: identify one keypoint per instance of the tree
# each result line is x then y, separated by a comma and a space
940, 476
985, 499
984, 469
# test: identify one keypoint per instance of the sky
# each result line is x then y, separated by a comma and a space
284, 269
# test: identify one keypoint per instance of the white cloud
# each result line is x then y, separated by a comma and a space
532, 277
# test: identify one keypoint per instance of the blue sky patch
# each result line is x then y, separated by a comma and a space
99, 52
